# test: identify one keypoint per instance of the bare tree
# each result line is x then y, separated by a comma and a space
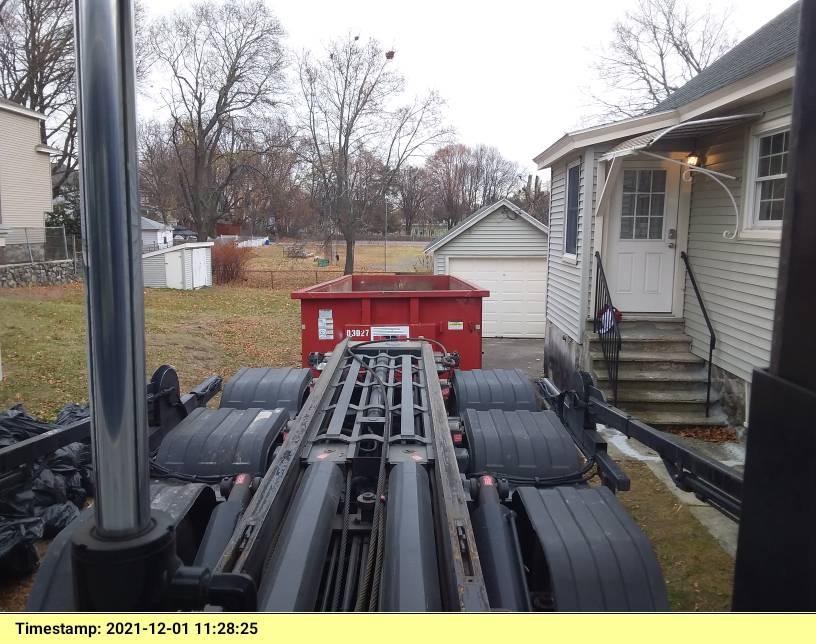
534, 197
465, 179
655, 50
225, 64
159, 189
413, 190
357, 137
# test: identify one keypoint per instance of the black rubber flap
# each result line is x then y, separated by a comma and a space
598, 558
222, 441
483, 389
267, 389
519, 444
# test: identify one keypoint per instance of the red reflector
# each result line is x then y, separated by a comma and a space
488, 481
457, 439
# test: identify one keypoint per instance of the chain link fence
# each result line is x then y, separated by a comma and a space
29, 245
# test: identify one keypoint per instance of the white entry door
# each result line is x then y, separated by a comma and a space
516, 307
199, 267
642, 237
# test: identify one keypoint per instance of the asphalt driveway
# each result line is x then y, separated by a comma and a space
514, 353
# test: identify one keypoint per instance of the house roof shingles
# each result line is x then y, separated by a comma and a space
773, 42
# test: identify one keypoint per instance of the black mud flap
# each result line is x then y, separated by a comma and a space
585, 553
222, 442
483, 389
267, 389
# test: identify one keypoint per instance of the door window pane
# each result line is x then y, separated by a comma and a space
644, 196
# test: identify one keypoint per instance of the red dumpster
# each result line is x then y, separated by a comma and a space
377, 307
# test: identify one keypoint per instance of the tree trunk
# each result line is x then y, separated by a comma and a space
349, 237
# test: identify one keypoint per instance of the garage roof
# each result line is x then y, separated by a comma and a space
480, 214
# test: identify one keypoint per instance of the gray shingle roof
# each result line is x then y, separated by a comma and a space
149, 224
770, 44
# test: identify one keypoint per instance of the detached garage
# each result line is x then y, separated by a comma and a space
503, 249
187, 266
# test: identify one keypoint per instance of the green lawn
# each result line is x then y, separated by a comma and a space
218, 330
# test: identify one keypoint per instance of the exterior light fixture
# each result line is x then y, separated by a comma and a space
693, 159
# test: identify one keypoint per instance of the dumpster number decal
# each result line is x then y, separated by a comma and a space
357, 333
325, 325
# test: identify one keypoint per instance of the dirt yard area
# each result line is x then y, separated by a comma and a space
217, 330
368, 256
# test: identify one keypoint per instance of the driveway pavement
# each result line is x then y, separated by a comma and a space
514, 353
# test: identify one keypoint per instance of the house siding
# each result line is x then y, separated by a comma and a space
154, 271
737, 278
564, 274
494, 236
25, 173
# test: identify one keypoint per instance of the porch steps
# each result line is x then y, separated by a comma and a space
659, 380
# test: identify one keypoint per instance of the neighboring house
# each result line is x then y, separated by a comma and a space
629, 191
155, 235
25, 182
502, 248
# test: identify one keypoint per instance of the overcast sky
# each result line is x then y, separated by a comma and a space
514, 74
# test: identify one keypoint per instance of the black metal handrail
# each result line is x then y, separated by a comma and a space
712, 338
605, 324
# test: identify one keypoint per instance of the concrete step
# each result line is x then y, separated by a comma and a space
678, 420
667, 343
636, 382
680, 400
639, 361
684, 395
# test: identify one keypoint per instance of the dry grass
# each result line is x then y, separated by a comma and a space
699, 573
217, 330
402, 256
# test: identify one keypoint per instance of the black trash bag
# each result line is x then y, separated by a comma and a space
49, 488
17, 504
56, 517
75, 489
71, 413
16, 425
18, 556
65, 460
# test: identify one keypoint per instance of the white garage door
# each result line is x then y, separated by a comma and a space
518, 292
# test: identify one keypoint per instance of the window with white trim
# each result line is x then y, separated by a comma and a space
765, 205
573, 204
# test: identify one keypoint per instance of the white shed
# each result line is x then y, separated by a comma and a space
156, 235
186, 266
502, 248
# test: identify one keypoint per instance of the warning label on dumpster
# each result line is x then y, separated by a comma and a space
325, 325
456, 326
390, 332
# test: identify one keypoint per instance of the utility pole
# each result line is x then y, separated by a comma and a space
385, 236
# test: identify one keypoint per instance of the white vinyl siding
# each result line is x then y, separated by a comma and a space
154, 272
25, 173
737, 277
494, 236
564, 273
